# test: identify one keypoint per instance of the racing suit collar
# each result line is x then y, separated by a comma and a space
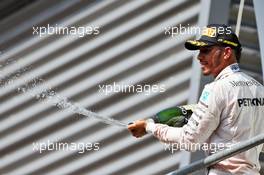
227, 71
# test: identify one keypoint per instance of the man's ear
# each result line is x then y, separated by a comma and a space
227, 52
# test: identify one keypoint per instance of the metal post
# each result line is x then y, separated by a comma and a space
212, 11
217, 157
259, 13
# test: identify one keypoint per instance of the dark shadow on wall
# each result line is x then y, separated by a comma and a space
8, 7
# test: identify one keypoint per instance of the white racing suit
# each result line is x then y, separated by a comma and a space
230, 110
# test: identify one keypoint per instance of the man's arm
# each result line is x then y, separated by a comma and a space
198, 129
200, 126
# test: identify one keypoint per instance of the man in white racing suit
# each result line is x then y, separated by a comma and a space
230, 109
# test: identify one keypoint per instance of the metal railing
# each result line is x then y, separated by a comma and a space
219, 156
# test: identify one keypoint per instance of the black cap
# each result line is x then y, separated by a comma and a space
215, 34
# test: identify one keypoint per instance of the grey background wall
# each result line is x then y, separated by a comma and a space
131, 48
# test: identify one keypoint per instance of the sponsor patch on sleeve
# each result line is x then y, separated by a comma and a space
205, 97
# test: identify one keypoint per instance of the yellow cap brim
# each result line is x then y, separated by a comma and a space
196, 44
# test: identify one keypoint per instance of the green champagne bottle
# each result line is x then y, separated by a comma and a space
175, 116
